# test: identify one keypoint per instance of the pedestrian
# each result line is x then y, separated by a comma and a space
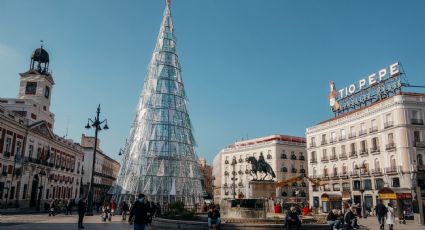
350, 221
82, 208
213, 217
52, 208
277, 208
293, 219
158, 209
139, 213
332, 218
306, 210
381, 212
124, 210
113, 207
390, 216
69, 207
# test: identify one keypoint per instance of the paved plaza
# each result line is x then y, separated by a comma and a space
64, 222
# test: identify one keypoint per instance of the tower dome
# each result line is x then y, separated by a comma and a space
40, 61
40, 55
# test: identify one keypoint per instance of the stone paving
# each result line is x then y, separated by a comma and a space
372, 224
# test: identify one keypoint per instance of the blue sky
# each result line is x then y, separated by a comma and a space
251, 67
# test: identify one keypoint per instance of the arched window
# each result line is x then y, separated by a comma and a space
335, 170
366, 164
314, 173
377, 166
420, 159
354, 166
392, 162
344, 169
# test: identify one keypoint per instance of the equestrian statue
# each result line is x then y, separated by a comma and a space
260, 166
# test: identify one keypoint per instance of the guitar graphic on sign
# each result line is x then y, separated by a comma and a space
332, 97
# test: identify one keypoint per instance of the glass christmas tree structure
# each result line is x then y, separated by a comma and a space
159, 158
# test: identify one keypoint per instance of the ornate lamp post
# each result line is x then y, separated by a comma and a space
40, 193
96, 125
234, 162
362, 187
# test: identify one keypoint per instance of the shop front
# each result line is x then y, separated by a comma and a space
405, 205
330, 201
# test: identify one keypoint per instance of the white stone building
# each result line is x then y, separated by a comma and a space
36, 165
381, 145
106, 169
285, 154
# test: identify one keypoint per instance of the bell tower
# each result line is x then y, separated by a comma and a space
36, 84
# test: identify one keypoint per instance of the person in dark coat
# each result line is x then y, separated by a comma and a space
350, 220
139, 213
82, 208
381, 212
293, 219
124, 210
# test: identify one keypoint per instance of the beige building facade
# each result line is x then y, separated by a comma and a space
285, 154
357, 154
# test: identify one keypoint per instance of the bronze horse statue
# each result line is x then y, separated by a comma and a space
260, 166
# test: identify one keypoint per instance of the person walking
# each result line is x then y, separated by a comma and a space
390, 216
139, 213
82, 208
124, 210
381, 212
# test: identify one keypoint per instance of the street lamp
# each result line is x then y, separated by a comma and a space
234, 162
362, 187
40, 193
213, 187
96, 125
120, 152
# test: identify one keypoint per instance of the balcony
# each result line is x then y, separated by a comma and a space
362, 132
324, 142
353, 154
302, 158
354, 174
364, 172
344, 175
325, 177
334, 158
313, 160
388, 124
332, 140
351, 135
294, 170
417, 121
343, 156
6, 154
373, 129
390, 146
420, 144
325, 159
364, 152
377, 171
374, 150
334, 176
312, 144
392, 169
342, 138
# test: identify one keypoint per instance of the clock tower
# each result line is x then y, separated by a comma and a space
36, 88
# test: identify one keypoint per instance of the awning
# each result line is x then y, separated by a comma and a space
330, 197
387, 194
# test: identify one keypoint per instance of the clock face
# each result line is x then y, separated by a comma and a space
31, 88
47, 92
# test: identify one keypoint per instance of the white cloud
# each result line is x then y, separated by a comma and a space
7, 51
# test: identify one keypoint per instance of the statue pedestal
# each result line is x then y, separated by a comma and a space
262, 189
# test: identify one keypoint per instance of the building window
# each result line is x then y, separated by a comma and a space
416, 136
368, 184
346, 186
342, 134
356, 185
24, 194
420, 159
396, 182
390, 138
379, 183
47, 92
336, 187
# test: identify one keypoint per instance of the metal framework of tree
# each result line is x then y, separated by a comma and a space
159, 158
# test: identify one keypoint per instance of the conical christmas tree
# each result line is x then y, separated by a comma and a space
159, 158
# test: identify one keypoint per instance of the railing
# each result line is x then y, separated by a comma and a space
301, 158
343, 175
377, 171
374, 150
354, 174
388, 124
390, 146
334, 175
363, 152
346, 189
324, 142
373, 129
332, 140
353, 154
6, 154
334, 157
313, 160
417, 121
341, 138
324, 159
420, 144
342, 156
351, 135
364, 172
392, 169
312, 144
362, 132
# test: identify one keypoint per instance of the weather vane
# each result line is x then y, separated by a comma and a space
42, 43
